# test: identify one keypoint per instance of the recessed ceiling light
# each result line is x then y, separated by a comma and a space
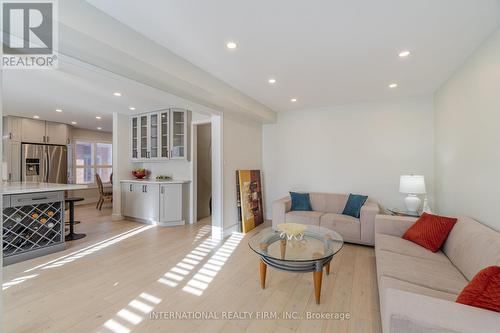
36, 117
404, 54
393, 85
272, 80
231, 45
98, 117
118, 94
99, 128
58, 110
293, 100
73, 123
131, 108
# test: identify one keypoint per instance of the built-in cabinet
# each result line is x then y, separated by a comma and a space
47, 132
17, 130
160, 136
162, 203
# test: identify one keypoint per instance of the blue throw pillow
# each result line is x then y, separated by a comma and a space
354, 204
300, 201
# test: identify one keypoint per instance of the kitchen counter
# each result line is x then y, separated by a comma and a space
32, 187
154, 181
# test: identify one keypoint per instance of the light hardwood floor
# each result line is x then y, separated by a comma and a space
112, 280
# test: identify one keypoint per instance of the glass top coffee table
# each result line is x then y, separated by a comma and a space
309, 253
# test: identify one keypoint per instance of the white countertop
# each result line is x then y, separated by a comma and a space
32, 187
154, 181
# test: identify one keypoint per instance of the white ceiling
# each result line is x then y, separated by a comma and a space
82, 92
323, 52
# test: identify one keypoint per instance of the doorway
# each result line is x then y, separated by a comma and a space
203, 170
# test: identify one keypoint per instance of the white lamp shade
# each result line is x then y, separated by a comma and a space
412, 184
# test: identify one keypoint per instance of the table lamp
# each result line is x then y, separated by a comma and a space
412, 185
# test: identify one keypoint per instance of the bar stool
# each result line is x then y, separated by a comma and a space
72, 236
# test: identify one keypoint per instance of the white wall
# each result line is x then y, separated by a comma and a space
357, 148
121, 158
467, 124
242, 149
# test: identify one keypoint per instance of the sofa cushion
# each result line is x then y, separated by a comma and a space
304, 217
300, 201
402, 246
348, 226
431, 274
483, 291
328, 202
390, 282
430, 231
354, 204
472, 246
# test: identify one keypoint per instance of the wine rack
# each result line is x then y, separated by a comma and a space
31, 229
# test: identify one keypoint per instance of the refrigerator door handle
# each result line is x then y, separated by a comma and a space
47, 165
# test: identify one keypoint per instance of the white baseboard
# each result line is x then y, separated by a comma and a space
117, 217
228, 231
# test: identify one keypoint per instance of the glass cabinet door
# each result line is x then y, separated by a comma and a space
134, 137
144, 136
165, 132
178, 136
153, 136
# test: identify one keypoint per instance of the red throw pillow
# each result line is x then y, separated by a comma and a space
430, 231
483, 291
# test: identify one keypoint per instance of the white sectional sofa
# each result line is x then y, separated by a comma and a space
418, 288
327, 212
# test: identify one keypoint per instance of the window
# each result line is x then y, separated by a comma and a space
92, 158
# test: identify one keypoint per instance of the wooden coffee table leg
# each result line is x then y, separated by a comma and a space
317, 276
263, 269
327, 268
283, 248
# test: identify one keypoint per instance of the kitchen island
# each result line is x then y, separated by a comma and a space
33, 219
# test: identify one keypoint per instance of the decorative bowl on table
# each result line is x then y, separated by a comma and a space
140, 173
291, 230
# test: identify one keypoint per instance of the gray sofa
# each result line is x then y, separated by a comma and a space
327, 212
418, 288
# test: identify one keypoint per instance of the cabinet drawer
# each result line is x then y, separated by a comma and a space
6, 201
35, 198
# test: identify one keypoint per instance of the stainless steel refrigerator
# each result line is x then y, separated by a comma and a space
44, 163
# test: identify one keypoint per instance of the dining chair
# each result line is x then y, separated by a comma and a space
103, 196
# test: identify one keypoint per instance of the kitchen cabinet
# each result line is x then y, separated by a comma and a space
12, 147
46, 132
140, 201
162, 203
33, 131
160, 136
12, 128
56, 133
170, 203
12, 156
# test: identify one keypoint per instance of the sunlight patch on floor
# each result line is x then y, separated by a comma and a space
202, 232
205, 275
133, 314
177, 273
138, 309
58, 262
18, 280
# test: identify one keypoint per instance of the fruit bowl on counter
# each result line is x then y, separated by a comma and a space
140, 173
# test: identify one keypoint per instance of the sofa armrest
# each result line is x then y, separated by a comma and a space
408, 312
393, 225
280, 208
367, 221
